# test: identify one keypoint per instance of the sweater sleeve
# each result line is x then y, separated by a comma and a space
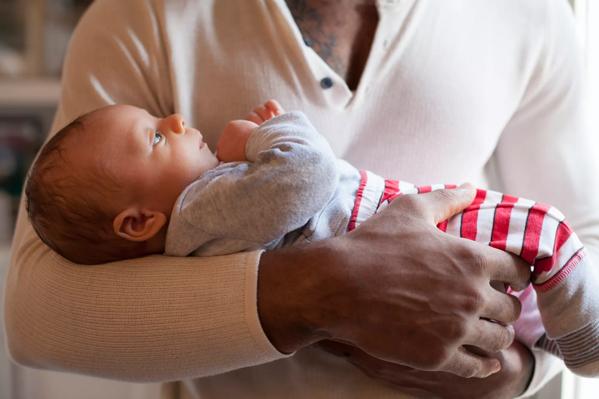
292, 174
149, 319
549, 138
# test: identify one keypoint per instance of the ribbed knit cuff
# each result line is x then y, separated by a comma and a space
263, 344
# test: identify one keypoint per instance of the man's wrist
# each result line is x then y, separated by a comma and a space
292, 285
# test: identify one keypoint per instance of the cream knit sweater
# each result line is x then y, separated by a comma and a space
453, 91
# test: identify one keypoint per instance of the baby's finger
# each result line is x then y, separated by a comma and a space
274, 107
254, 117
264, 113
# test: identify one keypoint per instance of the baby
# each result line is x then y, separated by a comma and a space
119, 183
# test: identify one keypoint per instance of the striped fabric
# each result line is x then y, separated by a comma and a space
575, 348
534, 231
539, 235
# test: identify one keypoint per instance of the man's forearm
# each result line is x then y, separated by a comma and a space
415, 304
289, 282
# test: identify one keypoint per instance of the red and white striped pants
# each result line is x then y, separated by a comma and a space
563, 290
535, 232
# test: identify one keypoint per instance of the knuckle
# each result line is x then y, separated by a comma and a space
443, 355
444, 195
461, 369
455, 332
411, 202
477, 262
434, 358
472, 302
469, 371
507, 338
504, 340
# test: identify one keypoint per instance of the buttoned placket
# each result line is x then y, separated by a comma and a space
334, 88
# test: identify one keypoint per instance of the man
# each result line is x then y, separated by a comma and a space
420, 91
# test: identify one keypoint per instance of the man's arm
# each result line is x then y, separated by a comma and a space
415, 304
150, 319
548, 138
153, 319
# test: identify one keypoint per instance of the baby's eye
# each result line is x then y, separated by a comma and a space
158, 137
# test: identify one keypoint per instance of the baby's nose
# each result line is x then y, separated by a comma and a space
176, 123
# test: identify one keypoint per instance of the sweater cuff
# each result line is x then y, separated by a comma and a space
267, 351
546, 367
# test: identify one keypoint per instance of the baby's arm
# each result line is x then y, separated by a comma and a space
233, 139
238, 206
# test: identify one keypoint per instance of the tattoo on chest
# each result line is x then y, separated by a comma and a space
339, 31
320, 32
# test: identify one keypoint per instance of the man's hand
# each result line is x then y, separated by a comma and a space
516, 372
397, 288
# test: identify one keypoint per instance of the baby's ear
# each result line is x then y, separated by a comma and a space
136, 224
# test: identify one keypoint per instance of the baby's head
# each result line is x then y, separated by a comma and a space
103, 187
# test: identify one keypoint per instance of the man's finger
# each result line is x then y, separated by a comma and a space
469, 365
506, 267
501, 307
443, 204
490, 336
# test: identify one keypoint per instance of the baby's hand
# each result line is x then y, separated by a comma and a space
232, 141
264, 112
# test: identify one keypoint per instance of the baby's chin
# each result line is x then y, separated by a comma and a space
212, 161
215, 161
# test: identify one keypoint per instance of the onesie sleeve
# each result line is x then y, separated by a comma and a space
291, 175
549, 138
146, 320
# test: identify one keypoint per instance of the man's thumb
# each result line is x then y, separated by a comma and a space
448, 202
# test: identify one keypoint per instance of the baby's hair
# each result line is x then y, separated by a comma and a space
65, 203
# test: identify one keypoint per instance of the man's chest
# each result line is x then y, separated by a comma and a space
421, 91
341, 33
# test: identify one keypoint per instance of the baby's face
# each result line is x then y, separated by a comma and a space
153, 158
